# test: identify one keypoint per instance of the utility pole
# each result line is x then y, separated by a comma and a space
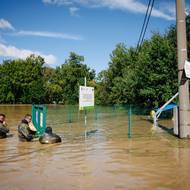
184, 113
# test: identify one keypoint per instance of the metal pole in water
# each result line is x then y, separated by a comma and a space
70, 117
84, 81
69, 114
129, 122
85, 112
96, 113
85, 116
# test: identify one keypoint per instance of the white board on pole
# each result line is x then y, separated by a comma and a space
86, 97
187, 69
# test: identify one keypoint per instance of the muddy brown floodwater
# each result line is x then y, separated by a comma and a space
98, 156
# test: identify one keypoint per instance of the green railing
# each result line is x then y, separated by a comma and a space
133, 120
39, 118
69, 115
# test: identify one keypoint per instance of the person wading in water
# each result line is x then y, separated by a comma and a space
3, 126
25, 132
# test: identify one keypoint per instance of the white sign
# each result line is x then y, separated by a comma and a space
86, 97
187, 69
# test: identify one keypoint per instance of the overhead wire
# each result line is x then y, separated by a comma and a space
145, 24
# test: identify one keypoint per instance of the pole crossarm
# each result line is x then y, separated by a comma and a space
159, 111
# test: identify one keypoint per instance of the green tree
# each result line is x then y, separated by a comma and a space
102, 88
147, 77
70, 75
156, 71
53, 91
22, 80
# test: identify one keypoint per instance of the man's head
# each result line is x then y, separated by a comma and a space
28, 118
2, 117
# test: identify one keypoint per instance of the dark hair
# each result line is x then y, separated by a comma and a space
27, 115
3, 115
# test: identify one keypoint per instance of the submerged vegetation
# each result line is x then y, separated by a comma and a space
146, 77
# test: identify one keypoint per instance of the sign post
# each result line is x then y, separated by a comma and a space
86, 99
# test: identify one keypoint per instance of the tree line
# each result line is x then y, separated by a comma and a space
29, 81
145, 77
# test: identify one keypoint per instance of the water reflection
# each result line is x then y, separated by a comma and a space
96, 156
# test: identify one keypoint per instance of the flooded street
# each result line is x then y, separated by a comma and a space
96, 156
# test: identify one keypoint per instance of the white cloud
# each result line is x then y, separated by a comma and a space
73, 11
129, 5
47, 34
58, 2
11, 51
4, 24
168, 7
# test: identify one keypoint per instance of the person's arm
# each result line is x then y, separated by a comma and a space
24, 131
32, 127
3, 128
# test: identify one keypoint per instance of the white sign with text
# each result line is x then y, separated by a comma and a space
86, 97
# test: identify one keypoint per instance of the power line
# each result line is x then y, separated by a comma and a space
145, 24
145, 18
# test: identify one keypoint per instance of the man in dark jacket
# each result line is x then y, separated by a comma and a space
3, 127
24, 131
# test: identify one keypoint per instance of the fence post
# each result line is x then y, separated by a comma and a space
85, 117
129, 122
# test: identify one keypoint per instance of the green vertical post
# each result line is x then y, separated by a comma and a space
70, 116
85, 117
37, 110
44, 118
33, 118
113, 110
96, 113
129, 122
34, 115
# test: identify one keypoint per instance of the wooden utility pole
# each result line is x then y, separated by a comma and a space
184, 113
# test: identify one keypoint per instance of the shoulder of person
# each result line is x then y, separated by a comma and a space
23, 125
2, 125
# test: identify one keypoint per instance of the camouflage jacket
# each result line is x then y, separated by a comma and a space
24, 132
3, 130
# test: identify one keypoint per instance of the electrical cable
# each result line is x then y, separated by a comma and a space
145, 24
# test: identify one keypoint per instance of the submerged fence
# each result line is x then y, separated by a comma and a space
135, 121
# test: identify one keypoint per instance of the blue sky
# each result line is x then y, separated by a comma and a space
92, 28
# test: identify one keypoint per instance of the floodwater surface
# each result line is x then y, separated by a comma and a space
98, 155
